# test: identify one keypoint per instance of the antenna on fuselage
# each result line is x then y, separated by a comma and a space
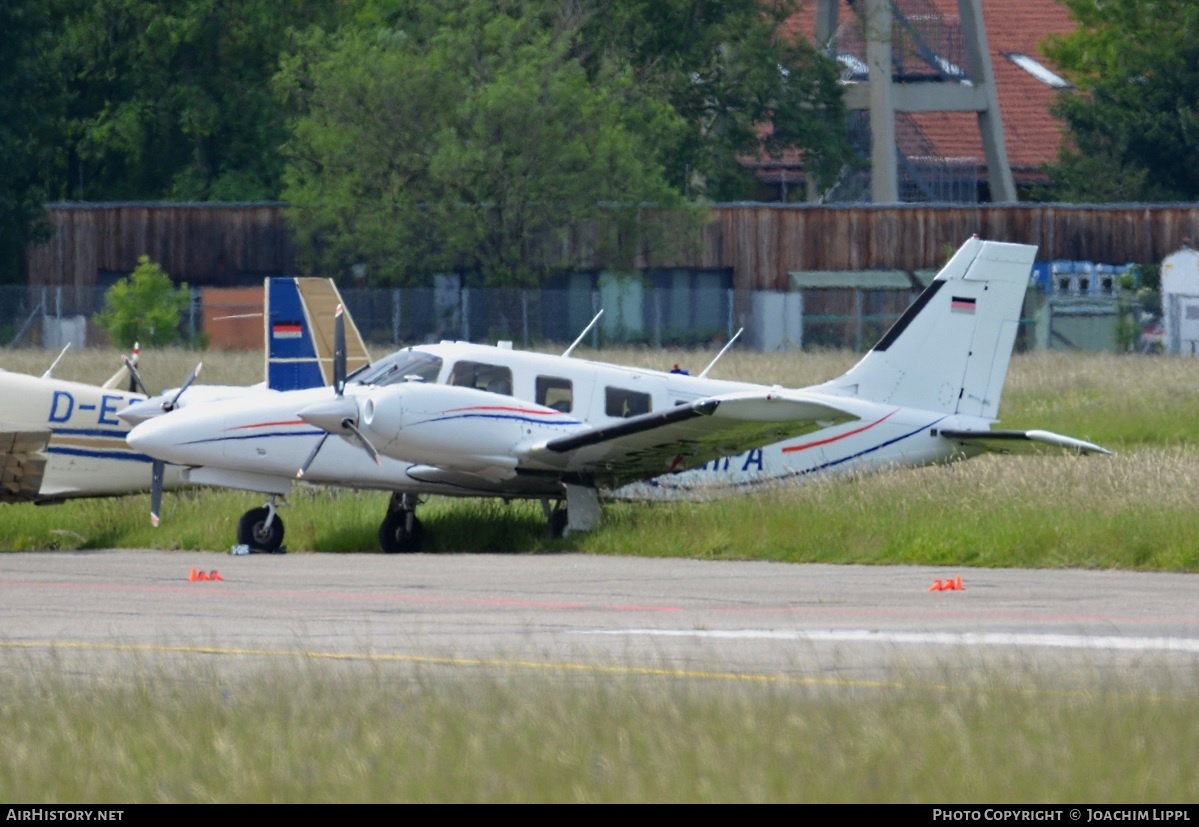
723, 350
586, 330
54, 364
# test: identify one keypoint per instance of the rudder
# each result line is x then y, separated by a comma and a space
299, 333
950, 350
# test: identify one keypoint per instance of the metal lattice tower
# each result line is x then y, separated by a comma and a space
900, 57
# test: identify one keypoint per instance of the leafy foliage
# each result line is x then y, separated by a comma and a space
745, 84
470, 139
146, 307
174, 101
472, 135
1133, 125
29, 110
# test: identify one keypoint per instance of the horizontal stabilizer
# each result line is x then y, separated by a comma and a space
1022, 442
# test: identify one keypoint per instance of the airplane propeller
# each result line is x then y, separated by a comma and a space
135, 378
158, 469
340, 414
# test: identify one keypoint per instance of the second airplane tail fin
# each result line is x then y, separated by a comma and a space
300, 333
950, 350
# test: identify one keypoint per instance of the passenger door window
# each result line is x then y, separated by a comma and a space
625, 403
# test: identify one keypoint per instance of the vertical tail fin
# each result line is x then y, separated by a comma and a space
950, 350
300, 333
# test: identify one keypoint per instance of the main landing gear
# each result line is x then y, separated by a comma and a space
261, 528
401, 531
580, 512
555, 517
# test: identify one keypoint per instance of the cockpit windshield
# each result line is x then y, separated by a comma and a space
399, 365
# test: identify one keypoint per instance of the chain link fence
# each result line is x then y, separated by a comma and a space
634, 314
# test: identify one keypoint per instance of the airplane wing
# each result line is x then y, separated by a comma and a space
22, 464
683, 437
1022, 442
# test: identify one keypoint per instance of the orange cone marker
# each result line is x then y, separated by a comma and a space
937, 586
215, 575
194, 576
957, 584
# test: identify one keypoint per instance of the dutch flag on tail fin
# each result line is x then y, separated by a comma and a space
300, 336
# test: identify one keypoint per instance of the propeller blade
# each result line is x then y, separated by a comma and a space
339, 350
156, 478
363, 441
169, 405
319, 444
135, 378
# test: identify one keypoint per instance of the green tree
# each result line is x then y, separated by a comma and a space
743, 80
145, 307
174, 100
30, 110
465, 136
1132, 126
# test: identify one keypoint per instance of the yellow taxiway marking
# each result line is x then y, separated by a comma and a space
379, 657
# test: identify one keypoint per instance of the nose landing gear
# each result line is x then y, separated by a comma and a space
261, 528
401, 532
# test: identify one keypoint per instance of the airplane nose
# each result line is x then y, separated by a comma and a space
329, 414
146, 438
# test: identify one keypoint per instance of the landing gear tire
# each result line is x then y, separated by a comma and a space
253, 531
396, 538
559, 519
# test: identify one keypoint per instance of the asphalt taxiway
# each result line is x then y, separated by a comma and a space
710, 620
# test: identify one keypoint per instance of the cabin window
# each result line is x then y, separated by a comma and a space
625, 403
554, 392
482, 376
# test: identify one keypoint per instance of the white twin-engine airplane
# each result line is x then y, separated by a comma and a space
64, 440
474, 420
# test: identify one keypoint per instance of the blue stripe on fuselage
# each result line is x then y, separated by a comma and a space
764, 478
81, 452
535, 421
100, 432
866, 451
215, 439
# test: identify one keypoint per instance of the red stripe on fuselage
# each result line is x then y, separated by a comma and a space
819, 442
268, 424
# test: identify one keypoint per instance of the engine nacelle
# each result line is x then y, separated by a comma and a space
452, 427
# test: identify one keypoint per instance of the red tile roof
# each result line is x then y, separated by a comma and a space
1031, 133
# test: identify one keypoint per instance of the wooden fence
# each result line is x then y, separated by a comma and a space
239, 244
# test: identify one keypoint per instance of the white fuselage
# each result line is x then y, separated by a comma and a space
87, 453
263, 438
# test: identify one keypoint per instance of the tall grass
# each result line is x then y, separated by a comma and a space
293, 733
